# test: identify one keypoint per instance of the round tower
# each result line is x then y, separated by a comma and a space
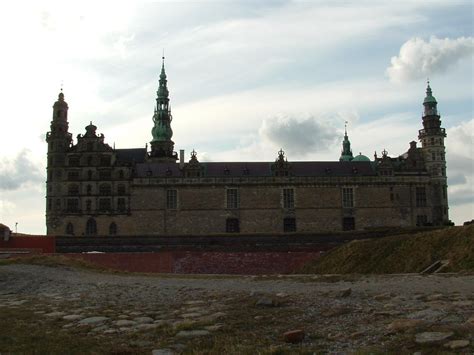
432, 142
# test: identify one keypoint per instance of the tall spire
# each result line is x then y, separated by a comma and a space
346, 153
162, 146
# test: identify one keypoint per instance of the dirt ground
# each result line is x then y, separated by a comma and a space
61, 309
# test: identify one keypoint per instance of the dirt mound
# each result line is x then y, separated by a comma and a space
401, 253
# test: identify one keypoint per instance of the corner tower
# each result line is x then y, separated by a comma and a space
59, 140
162, 147
432, 142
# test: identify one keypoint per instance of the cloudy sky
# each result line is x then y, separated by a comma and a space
245, 77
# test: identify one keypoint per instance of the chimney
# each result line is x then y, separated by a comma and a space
181, 158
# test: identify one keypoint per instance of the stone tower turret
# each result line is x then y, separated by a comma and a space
432, 141
346, 153
59, 140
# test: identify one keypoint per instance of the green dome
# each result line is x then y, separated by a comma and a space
360, 157
429, 99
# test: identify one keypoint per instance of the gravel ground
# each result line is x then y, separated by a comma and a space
339, 314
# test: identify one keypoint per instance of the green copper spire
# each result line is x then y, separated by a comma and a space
346, 153
162, 146
162, 117
429, 95
430, 102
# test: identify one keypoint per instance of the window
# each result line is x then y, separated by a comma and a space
121, 206
73, 189
73, 175
347, 197
420, 197
433, 156
105, 189
91, 227
113, 228
88, 205
121, 174
105, 204
172, 199
89, 174
348, 223
90, 160
232, 225
232, 198
58, 204
105, 160
70, 229
288, 198
72, 205
89, 189
74, 161
121, 189
421, 220
289, 224
104, 174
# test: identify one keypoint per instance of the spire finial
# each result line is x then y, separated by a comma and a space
163, 59
345, 127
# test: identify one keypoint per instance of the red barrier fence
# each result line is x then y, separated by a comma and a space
42, 244
197, 262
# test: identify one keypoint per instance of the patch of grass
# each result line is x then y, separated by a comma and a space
400, 253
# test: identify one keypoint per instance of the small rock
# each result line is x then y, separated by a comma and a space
356, 335
110, 331
404, 324
146, 326
162, 352
427, 314
17, 303
143, 320
135, 313
191, 315
194, 302
54, 314
452, 318
265, 302
432, 337
93, 320
123, 316
294, 336
382, 297
124, 323
336, 311
456, 344
470, 320
462, 303
100, 329
215, 327
346, 292
281, 294
435, 297
73, 317
160, 322
192, 333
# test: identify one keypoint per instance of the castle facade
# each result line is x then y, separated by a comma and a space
95, 189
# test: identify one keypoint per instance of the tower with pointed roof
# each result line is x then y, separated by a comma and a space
432, 141
162, 147
346, 153
58, 139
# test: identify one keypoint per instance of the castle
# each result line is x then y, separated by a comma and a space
94, 189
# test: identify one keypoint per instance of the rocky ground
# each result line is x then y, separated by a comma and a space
45, 309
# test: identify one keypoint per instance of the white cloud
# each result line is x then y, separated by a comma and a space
419, 59
15, 173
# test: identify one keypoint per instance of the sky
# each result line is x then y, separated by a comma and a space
246, 78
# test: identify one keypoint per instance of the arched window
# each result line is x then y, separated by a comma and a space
113, 228
91, 227
70, 229
105, 189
